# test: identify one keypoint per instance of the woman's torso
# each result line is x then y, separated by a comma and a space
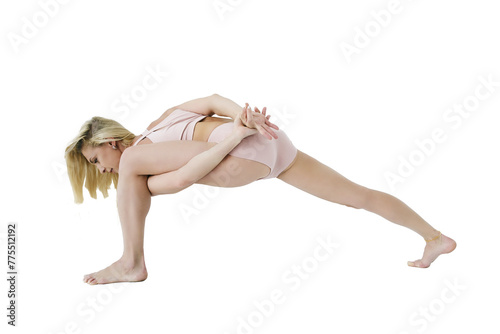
202, 129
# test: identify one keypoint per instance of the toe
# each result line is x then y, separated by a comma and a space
417, 264
88, 276
89, 279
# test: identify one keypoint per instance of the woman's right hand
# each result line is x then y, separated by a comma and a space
239, 129
257, 120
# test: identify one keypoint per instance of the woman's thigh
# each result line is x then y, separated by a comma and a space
315, 178
162, 157
235, 172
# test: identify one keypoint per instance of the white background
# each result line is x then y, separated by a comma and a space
206, 271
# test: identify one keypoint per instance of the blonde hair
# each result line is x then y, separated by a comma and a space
93, 133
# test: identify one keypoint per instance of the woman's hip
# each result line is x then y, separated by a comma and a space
277, 154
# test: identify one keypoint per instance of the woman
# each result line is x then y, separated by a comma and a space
186, 146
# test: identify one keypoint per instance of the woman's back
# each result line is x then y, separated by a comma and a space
172, 127
204, 128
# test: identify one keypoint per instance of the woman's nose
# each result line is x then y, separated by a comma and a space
102, 169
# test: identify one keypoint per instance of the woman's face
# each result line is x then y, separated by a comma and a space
104, 157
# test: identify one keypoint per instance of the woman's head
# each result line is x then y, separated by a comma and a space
93, 156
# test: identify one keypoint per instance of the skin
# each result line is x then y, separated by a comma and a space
149, 169
105, 155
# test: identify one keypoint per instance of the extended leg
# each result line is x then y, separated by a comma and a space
311, 176
134, 201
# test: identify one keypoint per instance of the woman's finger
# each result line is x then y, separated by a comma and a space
272, 125
243, 114
249, 116
271, 132
265, 133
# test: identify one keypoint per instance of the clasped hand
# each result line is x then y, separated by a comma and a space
251, 122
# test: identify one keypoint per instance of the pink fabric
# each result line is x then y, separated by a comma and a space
179, 125
277, 154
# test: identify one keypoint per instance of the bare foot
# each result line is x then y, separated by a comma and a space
120, 271
434, 248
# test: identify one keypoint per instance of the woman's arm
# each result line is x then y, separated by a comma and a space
210, 105
200, 165
221, 106
205, 162
202, 105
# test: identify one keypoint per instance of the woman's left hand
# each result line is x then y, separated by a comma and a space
240, 129
257, 120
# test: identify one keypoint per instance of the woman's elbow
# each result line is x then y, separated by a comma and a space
182, 184
159, 185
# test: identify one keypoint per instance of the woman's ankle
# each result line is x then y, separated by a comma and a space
132, 260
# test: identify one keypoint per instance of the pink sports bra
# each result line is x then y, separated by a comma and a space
179, 125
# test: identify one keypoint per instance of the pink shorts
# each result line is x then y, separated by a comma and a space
277, 154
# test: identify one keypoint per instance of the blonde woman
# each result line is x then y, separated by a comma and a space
186, 145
